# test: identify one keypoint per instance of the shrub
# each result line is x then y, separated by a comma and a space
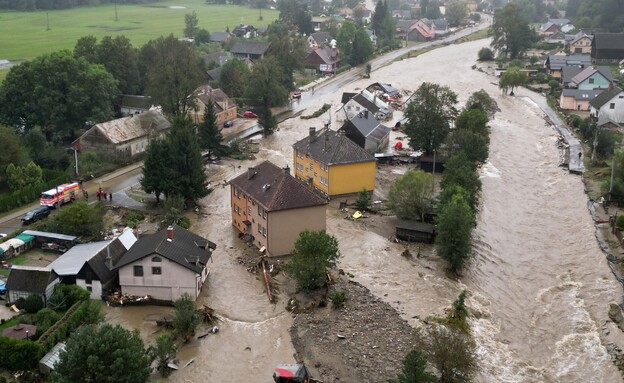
133, 218
19, 354
620, 222
65, 296
486, 54
33, 304
364, 200
185, 222
19, 303
339, 299
45, 318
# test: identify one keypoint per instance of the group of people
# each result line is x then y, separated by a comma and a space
101, 195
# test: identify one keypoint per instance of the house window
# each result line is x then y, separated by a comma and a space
299, 167
249, 209
591, 80
88, 277
612, 105
138, 271
324, 181
89, 289
264, 231
299, 154
156, 270
259, 228
261, 212
156, 259
311, 167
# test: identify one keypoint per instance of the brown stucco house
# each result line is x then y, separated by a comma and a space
124, 139
166, 265
224, 107
270, 208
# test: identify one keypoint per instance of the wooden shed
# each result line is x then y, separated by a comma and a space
415, 231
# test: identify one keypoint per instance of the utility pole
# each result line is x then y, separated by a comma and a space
116, 18
47, 21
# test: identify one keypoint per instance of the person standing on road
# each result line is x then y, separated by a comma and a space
99, 195
110, 197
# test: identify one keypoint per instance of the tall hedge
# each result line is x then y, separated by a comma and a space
19, 354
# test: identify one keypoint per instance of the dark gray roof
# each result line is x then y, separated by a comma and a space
386, 88
415, 226
185, 249
98, 263
346, 96
559, 22
321, 37
568, 72
582, 94
332, 148
283, 191
328, 55
250, 47
609, 40
215, 74
31, 279
219, 37
604, 97
404, 25
360, 99
369, 126
557, 62
440, 24
580, 36
218, 57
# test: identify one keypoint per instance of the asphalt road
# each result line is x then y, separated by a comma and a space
127, 177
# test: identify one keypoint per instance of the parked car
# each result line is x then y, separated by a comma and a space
228, 124
35, 214
250, 114
296, 94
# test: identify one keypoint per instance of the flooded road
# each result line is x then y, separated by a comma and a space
539, 285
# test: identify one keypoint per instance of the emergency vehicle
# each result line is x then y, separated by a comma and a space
59, 195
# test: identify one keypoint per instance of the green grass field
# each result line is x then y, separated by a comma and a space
24, 35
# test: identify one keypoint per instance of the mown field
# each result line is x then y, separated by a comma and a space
25, 35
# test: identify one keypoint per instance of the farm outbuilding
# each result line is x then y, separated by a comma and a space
415, 231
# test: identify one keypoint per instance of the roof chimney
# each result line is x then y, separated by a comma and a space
170, 233
251, 172
109, 259
366, 114
326, 139
312, 133
287, 169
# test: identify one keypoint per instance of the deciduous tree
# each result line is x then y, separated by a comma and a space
12, 151
454, 230
414, 369
459, 170
185, 318
267, 121
264, 86
108, 354
481, 100
451, 352
120, 59
428, 116
234, 78
164, 351
510, 30
288, 50
78, 219
174, 71
410, 195
511, 79
190, 25
456, 12
57, 92
314, 253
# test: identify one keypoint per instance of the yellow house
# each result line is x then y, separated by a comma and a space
271, 208
333, 164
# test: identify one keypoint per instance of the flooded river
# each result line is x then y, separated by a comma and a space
539, 284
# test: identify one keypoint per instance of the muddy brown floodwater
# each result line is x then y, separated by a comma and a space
539, 285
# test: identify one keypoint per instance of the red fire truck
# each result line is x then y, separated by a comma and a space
59, 195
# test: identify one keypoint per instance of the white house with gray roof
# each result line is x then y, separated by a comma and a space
166, 265
608, 107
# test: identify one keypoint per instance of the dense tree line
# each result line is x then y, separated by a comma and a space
33, 5
605, 14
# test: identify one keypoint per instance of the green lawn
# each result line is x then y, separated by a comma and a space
24, 35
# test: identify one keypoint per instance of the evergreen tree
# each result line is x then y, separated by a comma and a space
155, 167
188, 179
209, 134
